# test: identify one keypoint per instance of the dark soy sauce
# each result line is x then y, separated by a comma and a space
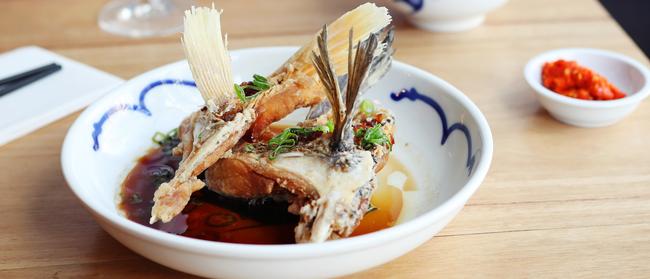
207, 216
213, 217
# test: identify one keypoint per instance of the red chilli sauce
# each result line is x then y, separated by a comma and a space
572, 80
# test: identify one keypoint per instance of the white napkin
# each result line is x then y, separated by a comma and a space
73, 87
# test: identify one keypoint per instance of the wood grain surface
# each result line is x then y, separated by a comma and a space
558, 202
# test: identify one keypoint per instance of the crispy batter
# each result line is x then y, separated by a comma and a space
301, 84
171, 197
293, 90
330, 187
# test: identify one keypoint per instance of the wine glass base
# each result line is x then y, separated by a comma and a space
139, 19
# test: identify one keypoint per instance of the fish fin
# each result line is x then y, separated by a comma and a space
382, 60
358, 65
357, 72
357, 69
380, 65
322, 64
366, 19
207, 55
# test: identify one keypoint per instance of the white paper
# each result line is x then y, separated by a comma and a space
73, 87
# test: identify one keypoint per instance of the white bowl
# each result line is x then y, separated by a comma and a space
623, 72
441, 137
448, 15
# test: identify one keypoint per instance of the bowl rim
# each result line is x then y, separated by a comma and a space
632, 97
287, 251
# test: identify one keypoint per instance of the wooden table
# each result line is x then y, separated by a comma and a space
559, 201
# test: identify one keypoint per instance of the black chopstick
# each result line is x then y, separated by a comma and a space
12, 83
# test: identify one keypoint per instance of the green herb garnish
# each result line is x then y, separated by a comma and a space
370, 137
306, 132
330, 126
359, 133
240, 93
259, 84
158, 138
249, 148
282, 142
367, 107
162, 138
167, 141
286, 140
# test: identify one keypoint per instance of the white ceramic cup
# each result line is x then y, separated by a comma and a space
447, 15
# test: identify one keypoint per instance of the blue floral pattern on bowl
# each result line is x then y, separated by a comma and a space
413, 95
416, 5
140, 107
410, 94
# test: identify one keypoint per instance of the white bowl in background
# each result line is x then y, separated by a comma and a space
623, 72
442, 138
447, 15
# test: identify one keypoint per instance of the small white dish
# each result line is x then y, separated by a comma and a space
447, 15
442, 138
623, 72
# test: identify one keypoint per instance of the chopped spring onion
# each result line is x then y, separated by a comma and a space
162, 138
282, 142
240, 93
259, 84
367, 107
286, 140
370, 137
330, 126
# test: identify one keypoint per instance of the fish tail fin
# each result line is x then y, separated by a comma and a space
366, 19
207, 55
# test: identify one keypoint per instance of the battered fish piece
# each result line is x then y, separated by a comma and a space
328, 175
228, 114
217, 126
297, 77
248, 172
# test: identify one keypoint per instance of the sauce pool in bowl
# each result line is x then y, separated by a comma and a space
214, 217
